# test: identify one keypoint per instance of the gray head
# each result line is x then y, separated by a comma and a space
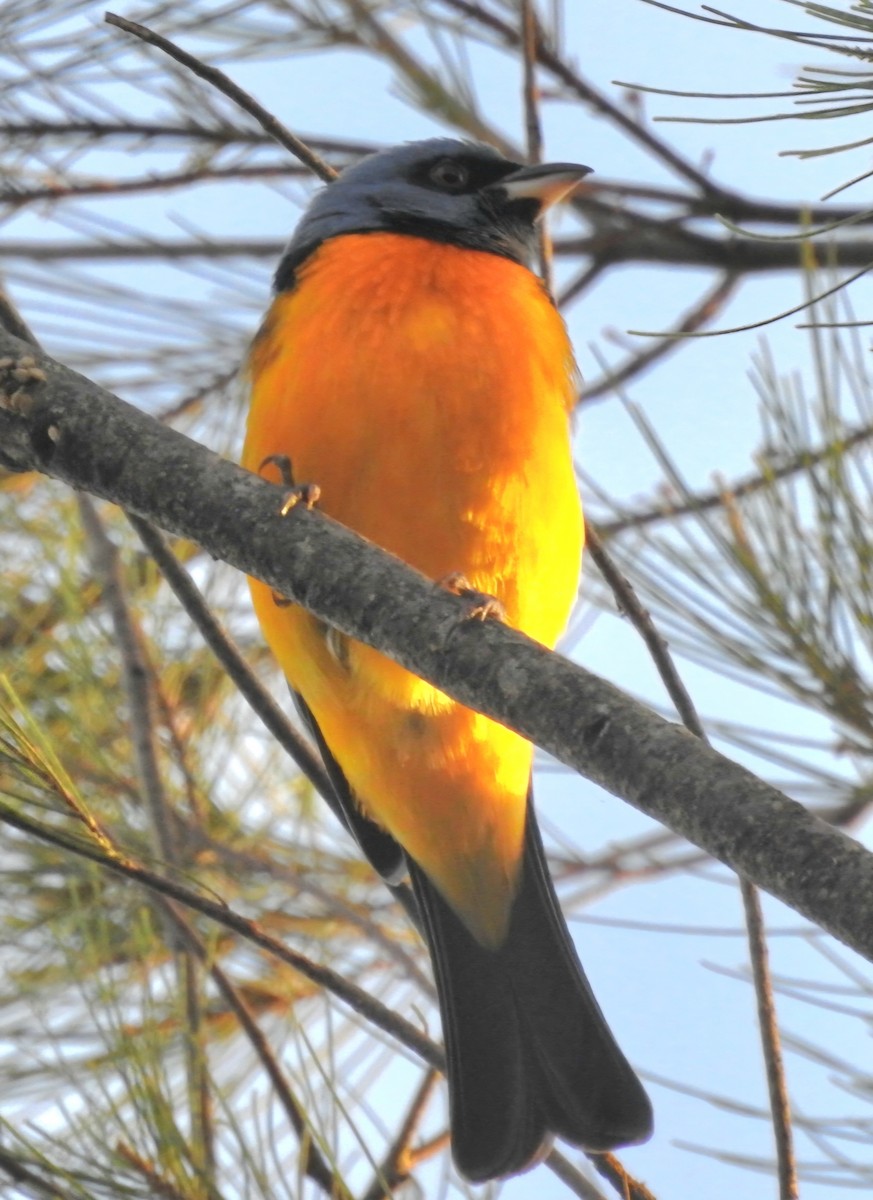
463, 193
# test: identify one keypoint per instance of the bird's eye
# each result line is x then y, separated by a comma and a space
449, 176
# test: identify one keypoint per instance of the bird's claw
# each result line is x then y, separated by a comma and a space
480, 605
307, 494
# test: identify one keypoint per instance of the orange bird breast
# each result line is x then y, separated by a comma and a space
427, 390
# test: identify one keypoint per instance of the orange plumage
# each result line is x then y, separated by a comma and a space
426, 388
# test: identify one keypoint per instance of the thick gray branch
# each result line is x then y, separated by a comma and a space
75, 431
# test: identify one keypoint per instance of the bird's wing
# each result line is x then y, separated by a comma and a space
378, 847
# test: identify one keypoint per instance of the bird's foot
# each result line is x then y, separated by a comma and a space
296, 493
480, 605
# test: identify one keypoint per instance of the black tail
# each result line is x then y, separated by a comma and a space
529, 1052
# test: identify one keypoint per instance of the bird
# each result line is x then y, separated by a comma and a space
415, 369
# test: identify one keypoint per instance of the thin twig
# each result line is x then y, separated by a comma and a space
138, 675
613, 1170
11, 319
222, 83
742, 487
197, 808
809, 303
144, 717
706, 309
159, 1186
400, 1158
533, 127
572, 1178
221, 135
656, 645
185, 403
771, 1042
161, 249
585, 278
14, 196
426, 1150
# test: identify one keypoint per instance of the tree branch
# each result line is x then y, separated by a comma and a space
71, 429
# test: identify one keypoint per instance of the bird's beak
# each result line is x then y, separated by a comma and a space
545, 183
